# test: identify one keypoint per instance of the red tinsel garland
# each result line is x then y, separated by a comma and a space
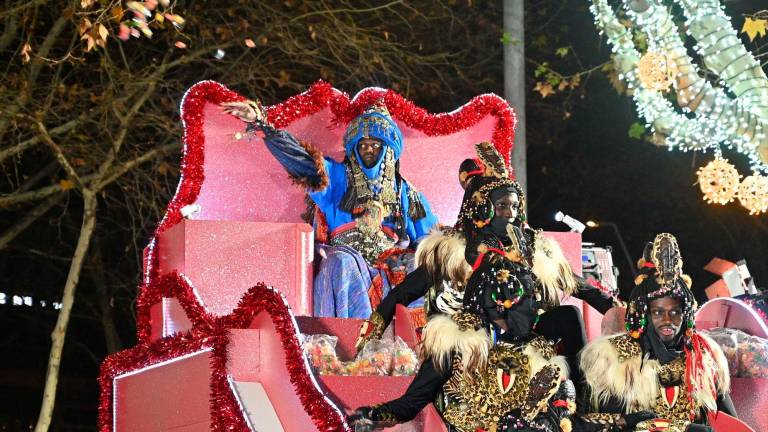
139, 357
210, 330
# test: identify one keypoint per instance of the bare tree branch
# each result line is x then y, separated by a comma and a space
26, 144
28, 219
59, 154
60, 331
20, 7
123, 168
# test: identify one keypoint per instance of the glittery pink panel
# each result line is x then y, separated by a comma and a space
356, 391
175, 320
750, 397
271, 372
243, 181
431, 164
165, 397
157, 321
241, 176
405, 327
168, 318
223, 259
243, 362
570, 243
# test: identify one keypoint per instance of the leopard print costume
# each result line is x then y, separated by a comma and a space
481, 399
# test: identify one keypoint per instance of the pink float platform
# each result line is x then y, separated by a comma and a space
570, 243
750, 395
222, 259
219, 349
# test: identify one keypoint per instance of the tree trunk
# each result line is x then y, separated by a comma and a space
67, 300
514, 81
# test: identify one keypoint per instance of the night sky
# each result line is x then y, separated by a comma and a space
592, 170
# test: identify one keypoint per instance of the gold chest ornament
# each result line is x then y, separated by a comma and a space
482, 398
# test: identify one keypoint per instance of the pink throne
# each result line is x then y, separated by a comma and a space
231, 263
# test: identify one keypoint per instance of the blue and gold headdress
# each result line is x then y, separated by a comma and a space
377, 123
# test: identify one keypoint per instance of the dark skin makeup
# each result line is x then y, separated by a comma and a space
667, 318
369, 150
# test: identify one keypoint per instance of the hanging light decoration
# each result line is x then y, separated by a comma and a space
753, 194
719, 181
653, 71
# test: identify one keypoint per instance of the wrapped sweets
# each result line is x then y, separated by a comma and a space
753, 357
320, 349
747, 355
374, 359
404, 361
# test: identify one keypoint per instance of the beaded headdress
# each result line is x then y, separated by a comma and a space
375, 122
661, 277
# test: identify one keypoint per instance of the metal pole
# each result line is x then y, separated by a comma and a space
514, 82
623, 246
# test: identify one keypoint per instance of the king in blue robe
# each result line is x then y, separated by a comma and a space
369, 208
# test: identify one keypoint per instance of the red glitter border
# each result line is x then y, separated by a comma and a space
211, 331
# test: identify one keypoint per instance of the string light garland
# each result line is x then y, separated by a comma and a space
737, 123
719, 181
753, 194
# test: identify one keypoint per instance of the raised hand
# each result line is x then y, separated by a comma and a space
248, 111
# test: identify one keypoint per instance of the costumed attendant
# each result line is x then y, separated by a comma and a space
368, 206
441, 270
441, 275
661, 365
493, 371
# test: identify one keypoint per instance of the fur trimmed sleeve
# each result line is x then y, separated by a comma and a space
304, 163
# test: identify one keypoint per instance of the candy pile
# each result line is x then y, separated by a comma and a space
378, 357
747, 355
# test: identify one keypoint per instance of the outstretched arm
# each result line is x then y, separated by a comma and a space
594, 296
304, 163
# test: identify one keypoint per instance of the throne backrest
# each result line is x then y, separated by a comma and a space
239, 180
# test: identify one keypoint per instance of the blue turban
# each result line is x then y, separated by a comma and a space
375, 123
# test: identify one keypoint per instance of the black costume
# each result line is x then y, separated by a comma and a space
493, 371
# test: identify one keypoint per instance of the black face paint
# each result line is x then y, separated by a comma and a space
499, 226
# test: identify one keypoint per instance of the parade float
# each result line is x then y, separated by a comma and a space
226, 294
224, 312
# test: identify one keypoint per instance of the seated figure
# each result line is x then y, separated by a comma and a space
369, 208
662, 372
